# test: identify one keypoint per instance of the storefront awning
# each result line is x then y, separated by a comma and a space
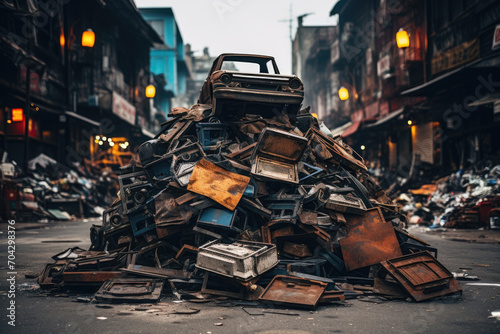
387, 118
350, 130
83, 118
492, 98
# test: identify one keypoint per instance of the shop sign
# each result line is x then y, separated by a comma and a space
496, 38
456, 56
123, 109
383, 65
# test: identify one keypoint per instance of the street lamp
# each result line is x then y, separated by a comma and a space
344, 92
150, 91
88, 38
402, 39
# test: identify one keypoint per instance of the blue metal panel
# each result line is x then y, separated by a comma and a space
219, 217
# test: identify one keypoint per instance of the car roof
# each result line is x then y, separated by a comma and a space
249, 55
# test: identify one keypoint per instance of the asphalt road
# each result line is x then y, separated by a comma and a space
37, 312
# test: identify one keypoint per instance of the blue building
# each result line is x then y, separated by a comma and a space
168, 59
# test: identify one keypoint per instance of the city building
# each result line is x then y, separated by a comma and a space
311, 63
71, 74
168, 59
422, 80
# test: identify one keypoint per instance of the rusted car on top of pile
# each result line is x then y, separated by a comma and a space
251, 83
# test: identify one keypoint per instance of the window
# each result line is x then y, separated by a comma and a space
157, 25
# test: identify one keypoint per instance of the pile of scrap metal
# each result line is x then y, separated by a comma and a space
461, 200
255, 208
49, 190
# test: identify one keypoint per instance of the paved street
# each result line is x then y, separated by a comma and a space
39, 313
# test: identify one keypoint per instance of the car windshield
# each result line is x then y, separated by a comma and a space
259, 66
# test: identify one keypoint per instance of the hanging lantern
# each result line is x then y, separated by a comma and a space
402, 39
150, 91
88, 38
343, 93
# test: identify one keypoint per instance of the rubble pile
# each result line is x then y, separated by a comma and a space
462, 200
247, 206
49, 190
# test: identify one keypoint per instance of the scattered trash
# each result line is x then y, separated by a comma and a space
48, 190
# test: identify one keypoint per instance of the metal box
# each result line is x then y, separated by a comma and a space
242, 259
346, 204
276, 156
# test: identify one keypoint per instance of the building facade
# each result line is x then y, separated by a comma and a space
431, 104
311, 63
72, 88
168, 59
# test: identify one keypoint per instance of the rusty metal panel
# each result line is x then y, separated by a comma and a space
276, 156
370, 240
294, 291
323, 237
130, 290
156, 272
298, 250
186, 249
265, 233
243, 153
422, 276
331, 151
285, 231
332, 296
388, 289
222, 186
89, 277
169, 230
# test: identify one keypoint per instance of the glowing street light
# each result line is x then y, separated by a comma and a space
150, 91
402, 39
343, 94
88, 38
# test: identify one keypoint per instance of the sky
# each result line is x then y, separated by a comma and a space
244, 26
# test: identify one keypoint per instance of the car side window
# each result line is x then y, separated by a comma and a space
270, 67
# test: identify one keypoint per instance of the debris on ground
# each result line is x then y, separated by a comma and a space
465, 199
49, 190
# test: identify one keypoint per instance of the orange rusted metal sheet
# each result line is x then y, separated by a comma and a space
222, 186
370, 240
295, 291
422, 276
